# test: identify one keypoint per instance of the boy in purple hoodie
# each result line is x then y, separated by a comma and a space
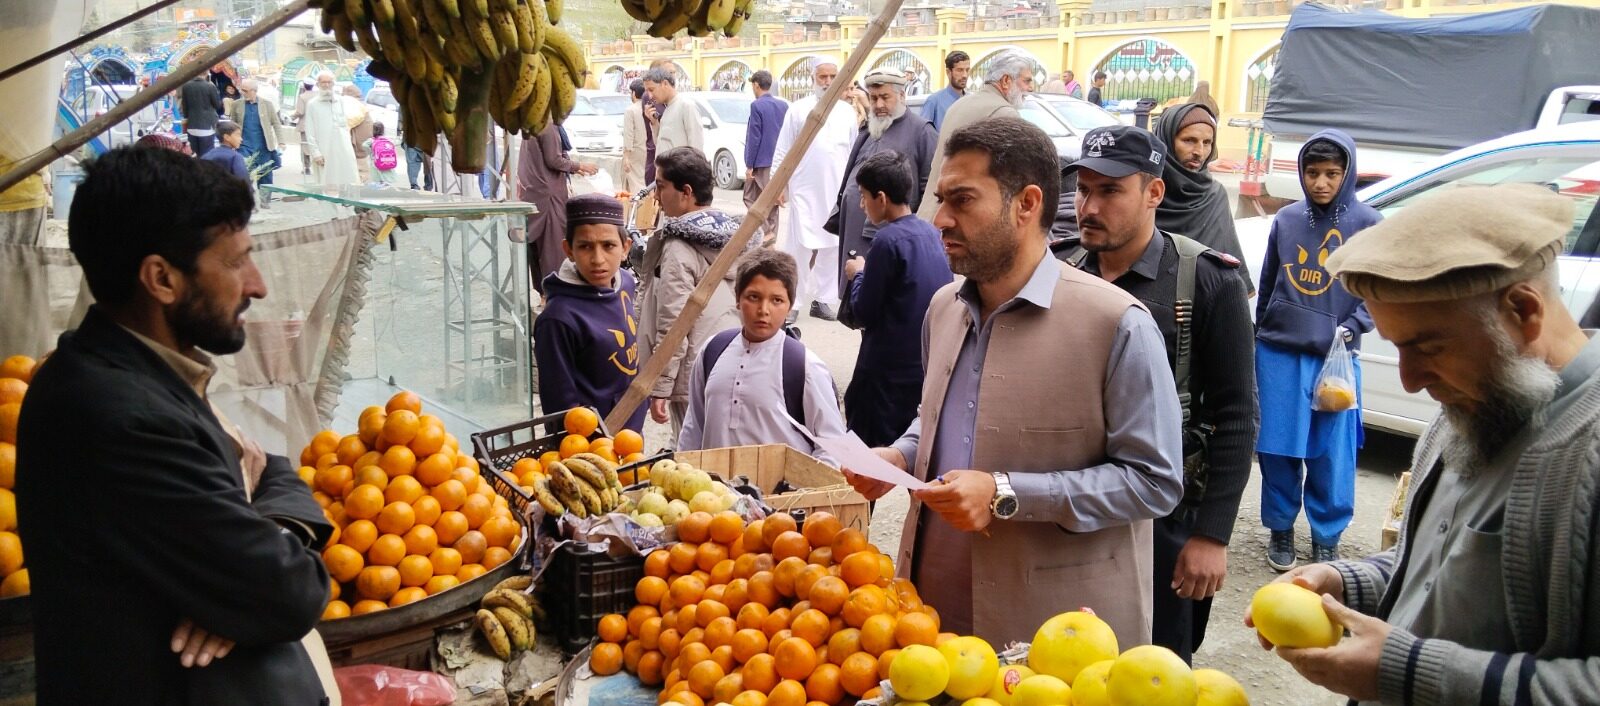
1309, 457
585, 342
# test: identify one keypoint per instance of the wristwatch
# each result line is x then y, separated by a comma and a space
1004, 504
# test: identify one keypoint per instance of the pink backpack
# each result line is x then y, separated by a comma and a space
383, 154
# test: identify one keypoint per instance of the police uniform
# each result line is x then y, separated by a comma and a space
1223, 398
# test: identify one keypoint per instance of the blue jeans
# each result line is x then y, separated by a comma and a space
417, 161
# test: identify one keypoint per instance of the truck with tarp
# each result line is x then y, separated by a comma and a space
1409, 90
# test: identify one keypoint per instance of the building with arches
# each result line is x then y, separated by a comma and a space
981, 64
902, 61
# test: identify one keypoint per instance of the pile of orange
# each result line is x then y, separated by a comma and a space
764, 614
15, 374
412, 515
580, 424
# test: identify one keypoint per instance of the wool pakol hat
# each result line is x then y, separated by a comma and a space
880, 77
592, 209
1456, 244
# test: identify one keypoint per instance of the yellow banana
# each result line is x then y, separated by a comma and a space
478, 8
637, 10
553, 9
496, 105
383, 12
394, 49
720, 13
522, 83
483, 40
506, 597
586, 472
356, 12
495, 633
522, 16
505, 28
451, 8
674, 19
563, 92
437, 19
656, 8
536, 111
521, 582
343, 33
541, 487
448, 93
518, 629
560, 45
539, 22
735, 26
368, 41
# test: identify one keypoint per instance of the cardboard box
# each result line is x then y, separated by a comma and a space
823, 488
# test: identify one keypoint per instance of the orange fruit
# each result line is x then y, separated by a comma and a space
650, 667
429, 440
308, 475
786, 573
885, 567
477, 508
916, 629
332, 479
370, 429
695, 527
20, 367
821, 528
752, 615
400, 427
421, 540
650, 590
693, 652
773, 526
465, 460
790, 544
848, 541
709, 554
368, 606
685, 622
796, 658
372, 474
821, 556
549, 457
828, 594
687, 589
398, 461
350, 449
719, 631
572, 445
378, 582
440, 583
396, 518
727, 688
884, 660
863, 603
703, 677
725, 527
823, 684
469, 478
628, 442
323, 443
715, 593
722, 574
606, 658
747, 643
808, 578
842, 644
450, 493
499, 531
405, 400
650, 633
859, 569
877, 634
858, 673
427, 510
682, 696
637, 615
469, 572
326, 461
811, 625
387, 550
335, 610
344, 562
763, 589
364, 502
753, 541
495, 556
359, 535
681, 557
17, 584
612, 628
605, 452
760, 672
445, 561
435, 469
524, 466
669, 641
471, 545
581, 421
415, 570
450, 527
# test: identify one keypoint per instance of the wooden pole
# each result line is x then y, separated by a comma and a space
663, 352
77, 138
84, 39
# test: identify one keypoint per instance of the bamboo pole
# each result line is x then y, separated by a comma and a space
662, 353
77, 138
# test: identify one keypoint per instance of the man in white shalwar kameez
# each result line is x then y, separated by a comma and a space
812, 191
333, 159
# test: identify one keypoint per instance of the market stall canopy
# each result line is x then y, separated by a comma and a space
1440, 83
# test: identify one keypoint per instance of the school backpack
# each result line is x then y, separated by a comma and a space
794, 368
383, 154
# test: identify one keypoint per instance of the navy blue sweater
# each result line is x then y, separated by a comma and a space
1300, 303
228, 158
906, 265
586, 344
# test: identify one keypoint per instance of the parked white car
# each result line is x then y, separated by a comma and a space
595, 124
724, 116
1565, 158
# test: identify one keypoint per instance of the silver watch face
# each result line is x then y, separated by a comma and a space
1005, 506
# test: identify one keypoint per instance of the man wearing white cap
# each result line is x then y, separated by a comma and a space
813, 191
1487, 597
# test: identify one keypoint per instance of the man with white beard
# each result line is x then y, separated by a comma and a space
333, 159
1487, 598
812, 192
889, 127
1008, 78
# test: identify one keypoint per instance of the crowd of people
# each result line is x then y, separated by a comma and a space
1084, 409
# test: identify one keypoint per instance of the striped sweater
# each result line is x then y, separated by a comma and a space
1551, 581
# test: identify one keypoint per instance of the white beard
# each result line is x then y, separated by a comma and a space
1016, 98
876, 126
1518, 390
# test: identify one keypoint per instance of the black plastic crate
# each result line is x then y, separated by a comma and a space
497, 450
583, 584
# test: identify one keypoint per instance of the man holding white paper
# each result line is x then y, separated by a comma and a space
1054, 386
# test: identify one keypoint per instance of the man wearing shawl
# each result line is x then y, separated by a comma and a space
1195, 205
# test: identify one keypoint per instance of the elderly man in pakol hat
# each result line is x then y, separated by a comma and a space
586, 339
1486, 599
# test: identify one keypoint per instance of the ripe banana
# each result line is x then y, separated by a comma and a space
536, 110
505, 28
356, 12
394, 49
497, 108
449, 94
511, 598
586, 472
591, 499
482, 36
384, 12
735, 25
656, 8
553, 9
522, 82
547, 499
344, 33
674, 19
368, 42
495, 633
519, 630
699, 22
606, 467
720, 13
637, 10
560, 45
436, 18
530, 30
326, 22
478, 8
450, 7
564, 94
520, 582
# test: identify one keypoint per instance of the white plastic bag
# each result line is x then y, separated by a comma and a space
599, 183
1336, 387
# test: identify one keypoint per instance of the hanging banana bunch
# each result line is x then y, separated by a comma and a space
454, 65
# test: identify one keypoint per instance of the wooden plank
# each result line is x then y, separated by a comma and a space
652, 368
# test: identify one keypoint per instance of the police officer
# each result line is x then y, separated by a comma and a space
1198, 299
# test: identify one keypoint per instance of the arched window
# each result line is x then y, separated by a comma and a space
900, 60
1147, 68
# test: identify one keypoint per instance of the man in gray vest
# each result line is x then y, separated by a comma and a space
1199, 303
1489, 597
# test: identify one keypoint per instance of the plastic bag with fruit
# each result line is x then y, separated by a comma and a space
1336, 388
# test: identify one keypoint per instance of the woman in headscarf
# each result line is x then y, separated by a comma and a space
1196, 205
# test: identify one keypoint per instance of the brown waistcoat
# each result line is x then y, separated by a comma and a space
1039, 410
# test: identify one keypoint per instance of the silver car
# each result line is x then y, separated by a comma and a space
595, 124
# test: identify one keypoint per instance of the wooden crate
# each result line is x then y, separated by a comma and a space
823, 488
1397, 511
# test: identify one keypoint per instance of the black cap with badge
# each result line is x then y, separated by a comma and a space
1120, 150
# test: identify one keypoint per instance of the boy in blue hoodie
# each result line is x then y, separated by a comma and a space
585, 342
1309, 457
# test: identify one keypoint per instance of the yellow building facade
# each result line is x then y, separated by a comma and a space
1155, 52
